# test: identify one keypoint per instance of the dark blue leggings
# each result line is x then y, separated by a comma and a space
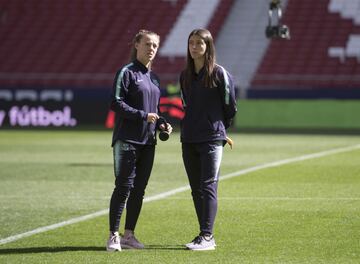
132, 167
202, 165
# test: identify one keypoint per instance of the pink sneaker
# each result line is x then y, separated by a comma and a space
129, 241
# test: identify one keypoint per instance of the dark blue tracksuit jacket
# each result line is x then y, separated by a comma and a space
208, 111
136, 92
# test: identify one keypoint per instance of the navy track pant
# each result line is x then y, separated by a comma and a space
202, 165
132, 167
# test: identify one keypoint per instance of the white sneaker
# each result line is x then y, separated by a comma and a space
202, 243
113, 243
192, 242
129, 241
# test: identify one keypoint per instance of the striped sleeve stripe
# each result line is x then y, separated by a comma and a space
182, 98
227, 85
119, 79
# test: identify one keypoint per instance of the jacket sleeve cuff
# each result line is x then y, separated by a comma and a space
143, 115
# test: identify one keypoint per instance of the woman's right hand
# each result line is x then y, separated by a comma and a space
152, 117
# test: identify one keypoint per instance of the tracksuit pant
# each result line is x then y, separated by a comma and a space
202, 165
132, 167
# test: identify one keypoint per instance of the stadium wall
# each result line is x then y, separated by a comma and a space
89, 108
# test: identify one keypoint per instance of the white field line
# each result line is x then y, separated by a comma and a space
285, 198
181, 189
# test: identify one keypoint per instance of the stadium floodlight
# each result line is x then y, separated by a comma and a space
274, 28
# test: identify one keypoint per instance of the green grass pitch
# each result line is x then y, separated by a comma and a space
301, 211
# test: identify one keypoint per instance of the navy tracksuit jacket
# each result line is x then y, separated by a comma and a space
208, 111
136, 92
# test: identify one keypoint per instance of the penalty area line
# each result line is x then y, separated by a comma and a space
181, 189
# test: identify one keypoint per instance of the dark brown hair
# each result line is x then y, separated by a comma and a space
209, 62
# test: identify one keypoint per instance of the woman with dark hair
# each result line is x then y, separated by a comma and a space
135, 101
209, 102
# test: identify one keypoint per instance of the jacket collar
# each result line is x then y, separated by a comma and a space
141, 66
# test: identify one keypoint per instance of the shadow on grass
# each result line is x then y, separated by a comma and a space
32, 250
47, 250
165, 247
